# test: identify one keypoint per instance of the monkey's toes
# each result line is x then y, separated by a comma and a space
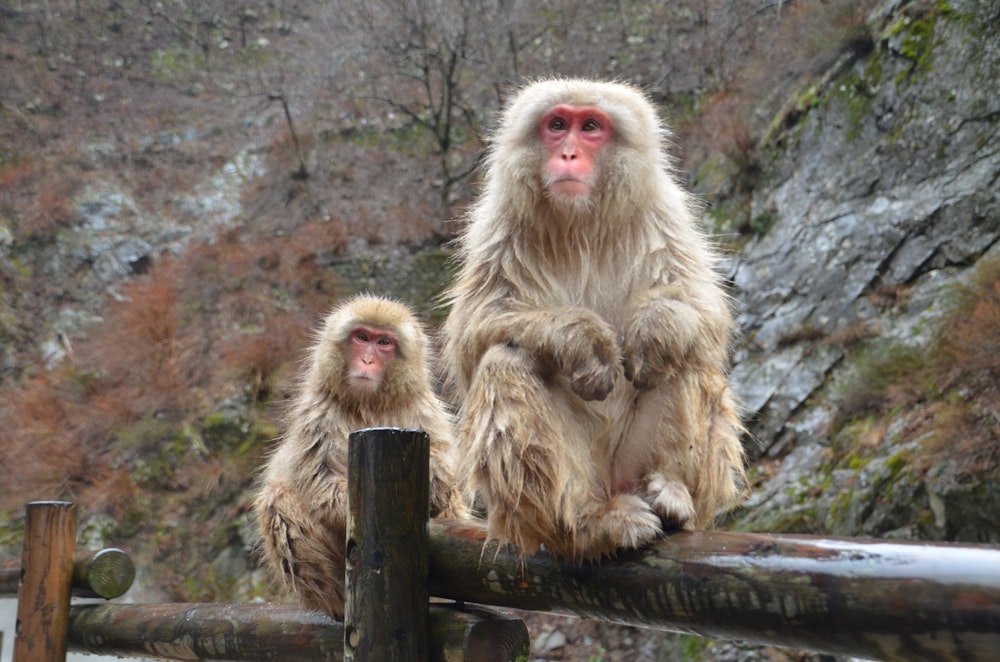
624, 521
672, 501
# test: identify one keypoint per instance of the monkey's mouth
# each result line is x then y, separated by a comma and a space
570, 187
362, 381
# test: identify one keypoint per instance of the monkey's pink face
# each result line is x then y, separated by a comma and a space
371, 350
573, 137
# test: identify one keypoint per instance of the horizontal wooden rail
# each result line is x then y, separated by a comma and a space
106, 573
878, 599
250, 632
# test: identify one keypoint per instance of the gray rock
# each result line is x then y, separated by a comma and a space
903, 194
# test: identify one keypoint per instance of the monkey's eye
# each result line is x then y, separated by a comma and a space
361, 336
557, 124
591, 125
385, 341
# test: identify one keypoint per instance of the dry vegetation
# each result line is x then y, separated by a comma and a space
953, 386
191, 332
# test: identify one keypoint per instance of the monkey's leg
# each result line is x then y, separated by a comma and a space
306, 554
698, 455
529, 455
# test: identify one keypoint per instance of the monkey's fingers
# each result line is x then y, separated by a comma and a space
645, 369
593, 381
642, 375
636, 373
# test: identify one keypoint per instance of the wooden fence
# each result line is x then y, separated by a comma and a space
874, 599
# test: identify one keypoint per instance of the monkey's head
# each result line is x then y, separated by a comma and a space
371, 350
576, 142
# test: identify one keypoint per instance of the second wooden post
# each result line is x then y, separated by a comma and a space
46, 582
386, 607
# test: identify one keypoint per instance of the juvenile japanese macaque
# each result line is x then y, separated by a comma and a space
588, 334
368, 368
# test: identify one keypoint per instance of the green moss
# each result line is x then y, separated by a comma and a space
413, 138
847, 511
433, 271
693, 646
856, 463
762, 223
916, 35
896, 463
878, 367
419, 284
175, 64
859, 94
11, 533
231, 432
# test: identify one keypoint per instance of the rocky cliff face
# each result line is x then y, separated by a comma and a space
880, 189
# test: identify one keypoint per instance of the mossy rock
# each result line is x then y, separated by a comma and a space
418, 278
230, 430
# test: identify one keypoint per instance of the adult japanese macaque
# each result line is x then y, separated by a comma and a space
588, 332
367, 368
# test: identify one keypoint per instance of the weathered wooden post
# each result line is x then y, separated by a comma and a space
106, 573
46, 582
387, 601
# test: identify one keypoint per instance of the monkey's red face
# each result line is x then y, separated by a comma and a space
573, 137
371, 350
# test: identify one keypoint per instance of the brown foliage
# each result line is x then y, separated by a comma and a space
801, 40
37, 194
967, 366
969, 344
146, 364
195, 329
952, 387
53, 445
259, 357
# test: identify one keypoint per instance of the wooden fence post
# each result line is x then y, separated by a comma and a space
46, 582
387, 600
106, 573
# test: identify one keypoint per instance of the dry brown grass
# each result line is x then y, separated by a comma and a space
951, 388
967, 367
969, 343
37, 196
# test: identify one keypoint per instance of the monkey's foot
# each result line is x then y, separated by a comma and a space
672, 501
623, 521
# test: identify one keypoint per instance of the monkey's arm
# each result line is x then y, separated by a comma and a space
573, 342
674, 325
445, 494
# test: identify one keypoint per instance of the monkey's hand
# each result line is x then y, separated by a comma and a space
659, 336
586, 351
